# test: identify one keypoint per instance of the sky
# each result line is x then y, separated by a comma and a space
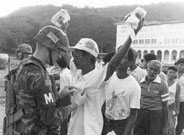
8, 6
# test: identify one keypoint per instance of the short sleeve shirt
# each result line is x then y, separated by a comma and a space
121, 96
154, 94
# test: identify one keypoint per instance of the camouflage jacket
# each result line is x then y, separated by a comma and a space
34, 95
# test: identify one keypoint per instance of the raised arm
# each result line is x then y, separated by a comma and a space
116, 59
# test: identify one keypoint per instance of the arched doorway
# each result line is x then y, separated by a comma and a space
159, 55
139, 54
145, 52
152, 52
174, 55
182, 54
166, 55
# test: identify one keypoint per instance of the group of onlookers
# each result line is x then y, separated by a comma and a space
76, 95
161, 101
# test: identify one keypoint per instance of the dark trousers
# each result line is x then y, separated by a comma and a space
118, 126
180, 124
148, 122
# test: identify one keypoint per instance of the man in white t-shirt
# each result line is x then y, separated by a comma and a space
122, 99
87, 119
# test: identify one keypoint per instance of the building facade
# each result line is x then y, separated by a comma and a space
166, 40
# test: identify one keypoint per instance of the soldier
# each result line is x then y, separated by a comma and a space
23, 51
33, 87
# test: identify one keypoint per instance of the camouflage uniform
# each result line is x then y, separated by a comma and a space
34, 89
34, 95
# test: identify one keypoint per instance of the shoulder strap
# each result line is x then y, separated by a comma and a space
26, 63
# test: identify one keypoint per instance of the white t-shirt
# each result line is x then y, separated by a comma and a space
87, 119
138, 73
121, 95
172, 93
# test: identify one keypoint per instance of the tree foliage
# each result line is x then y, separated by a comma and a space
96, 23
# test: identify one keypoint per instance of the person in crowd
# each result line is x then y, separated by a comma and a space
108, 57
148, 57
137, 72
33, 87
87, 119
23, 51
153, 116
142, 64
64, 75
106, 60
122, 99
174, 101
180, 121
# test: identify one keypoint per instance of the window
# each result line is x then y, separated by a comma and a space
135, 41
141, 41
147, 41
153, 41
174, 55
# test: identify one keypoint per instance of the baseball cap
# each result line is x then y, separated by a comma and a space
88, 45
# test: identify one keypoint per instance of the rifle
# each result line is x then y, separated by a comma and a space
11, 116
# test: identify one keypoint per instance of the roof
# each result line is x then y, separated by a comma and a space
148, 23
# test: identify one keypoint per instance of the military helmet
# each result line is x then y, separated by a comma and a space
52, 38
24, 48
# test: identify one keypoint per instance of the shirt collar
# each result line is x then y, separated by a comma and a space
156, 80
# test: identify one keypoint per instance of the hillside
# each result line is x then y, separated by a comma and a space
97, 23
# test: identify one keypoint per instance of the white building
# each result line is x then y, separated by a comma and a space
166, 40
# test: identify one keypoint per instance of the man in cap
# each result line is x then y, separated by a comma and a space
152, 117
34, 89
87, 119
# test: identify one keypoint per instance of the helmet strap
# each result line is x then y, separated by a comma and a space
22, 56
50, 57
